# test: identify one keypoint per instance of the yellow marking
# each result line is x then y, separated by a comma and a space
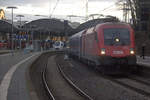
2, 14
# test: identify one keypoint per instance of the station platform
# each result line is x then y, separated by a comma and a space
4, 51
13, 77
145, 61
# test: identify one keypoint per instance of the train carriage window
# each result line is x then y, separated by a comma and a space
122, 34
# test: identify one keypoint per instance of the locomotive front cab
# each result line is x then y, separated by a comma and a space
117, 45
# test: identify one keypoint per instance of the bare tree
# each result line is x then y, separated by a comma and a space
130, 8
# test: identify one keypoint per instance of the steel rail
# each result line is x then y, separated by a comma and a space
73, 85
119, 82
46, 85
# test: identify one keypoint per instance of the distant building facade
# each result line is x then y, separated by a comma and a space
143, 14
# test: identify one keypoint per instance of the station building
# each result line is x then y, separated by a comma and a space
143, 15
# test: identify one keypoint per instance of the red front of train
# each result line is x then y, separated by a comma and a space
105, 44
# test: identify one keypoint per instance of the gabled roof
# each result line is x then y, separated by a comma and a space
51, 25
6, 26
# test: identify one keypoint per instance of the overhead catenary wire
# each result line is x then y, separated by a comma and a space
54, 8
49, 8
111, 6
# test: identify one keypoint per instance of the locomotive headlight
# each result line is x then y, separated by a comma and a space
103, 51
117, 40
132, 51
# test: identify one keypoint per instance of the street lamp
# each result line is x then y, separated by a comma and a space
32, 28
12, 8
87, 5
93, 16
73, 16
40, 38
20, 27
70, 16
41, 15
20, 16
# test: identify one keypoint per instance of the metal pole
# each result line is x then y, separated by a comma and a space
20, 38
20, 21
12, 33
40, 41
87, 9
32, 36
20, 28
12, 44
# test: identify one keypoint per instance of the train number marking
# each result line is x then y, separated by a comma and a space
117, 52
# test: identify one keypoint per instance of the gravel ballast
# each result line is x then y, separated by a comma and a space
91, 82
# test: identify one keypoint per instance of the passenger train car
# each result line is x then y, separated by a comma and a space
105, 45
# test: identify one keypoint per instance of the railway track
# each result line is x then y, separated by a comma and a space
135, 83
86, 96
53, 92
50, 95
131, 87
139, 79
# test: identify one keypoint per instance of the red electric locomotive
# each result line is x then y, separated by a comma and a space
106, 45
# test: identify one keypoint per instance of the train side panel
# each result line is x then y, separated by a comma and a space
90, 46
75, 44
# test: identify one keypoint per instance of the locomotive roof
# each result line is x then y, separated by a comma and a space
117, 23
97, 26
112, 23
92, 23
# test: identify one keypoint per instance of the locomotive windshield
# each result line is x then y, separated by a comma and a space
116, 36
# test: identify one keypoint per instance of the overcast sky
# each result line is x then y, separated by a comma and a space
64, 7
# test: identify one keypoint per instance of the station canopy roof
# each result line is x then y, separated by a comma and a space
47, 25
6, 26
